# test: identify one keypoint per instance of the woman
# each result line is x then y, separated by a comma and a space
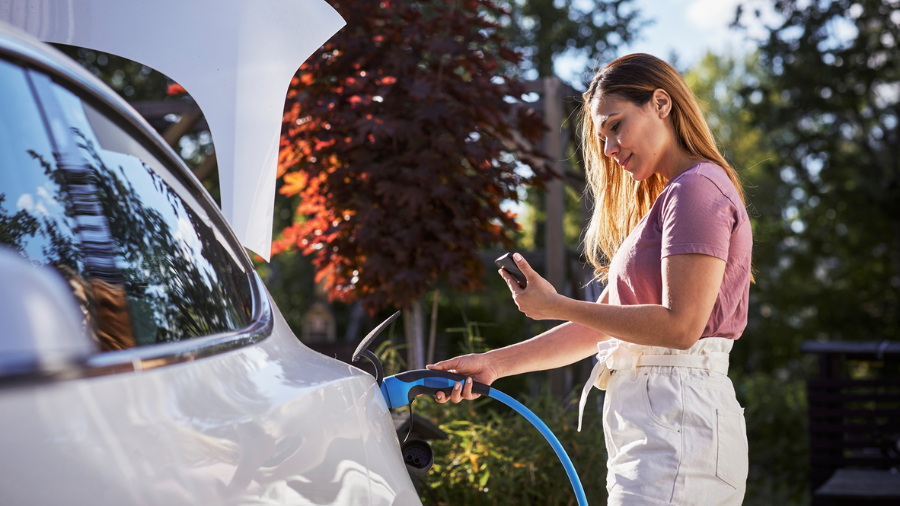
679, 238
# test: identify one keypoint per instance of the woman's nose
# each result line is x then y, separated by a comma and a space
610, 148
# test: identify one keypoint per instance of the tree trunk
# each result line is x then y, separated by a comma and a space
432, 333
555, 204
413, 325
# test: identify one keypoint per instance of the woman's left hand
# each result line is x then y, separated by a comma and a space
539, 299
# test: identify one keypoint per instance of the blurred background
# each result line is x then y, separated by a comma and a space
427, 138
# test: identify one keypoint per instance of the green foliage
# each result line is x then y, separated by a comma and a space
777, 428
717, 81
473, 342
391, 358
289, 278
829, 264
495, 456
544, 29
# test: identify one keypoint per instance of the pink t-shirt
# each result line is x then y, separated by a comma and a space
699, 211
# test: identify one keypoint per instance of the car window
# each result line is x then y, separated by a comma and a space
181, 277
37, 216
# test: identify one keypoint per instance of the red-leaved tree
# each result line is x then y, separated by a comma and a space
398, 137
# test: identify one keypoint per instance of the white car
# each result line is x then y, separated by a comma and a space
141, 358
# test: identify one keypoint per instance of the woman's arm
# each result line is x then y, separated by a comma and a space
557, 347
690, 286
560, 346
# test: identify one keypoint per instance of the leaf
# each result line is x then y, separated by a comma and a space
484, 478
294, 183
175, 89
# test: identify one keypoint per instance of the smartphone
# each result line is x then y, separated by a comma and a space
507, 262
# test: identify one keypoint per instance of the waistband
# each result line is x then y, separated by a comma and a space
710, 353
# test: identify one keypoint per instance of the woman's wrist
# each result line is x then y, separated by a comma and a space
494, 360
561, 308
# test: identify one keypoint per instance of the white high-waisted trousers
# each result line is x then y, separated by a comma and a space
675, 433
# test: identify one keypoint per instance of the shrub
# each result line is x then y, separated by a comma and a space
777, 428
495, 456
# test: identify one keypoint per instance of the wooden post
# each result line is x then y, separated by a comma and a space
555, 246
415, 339
432, 334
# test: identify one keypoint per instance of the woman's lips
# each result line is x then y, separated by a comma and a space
624, 163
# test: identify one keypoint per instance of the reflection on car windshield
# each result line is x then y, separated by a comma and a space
37, 218
180, 280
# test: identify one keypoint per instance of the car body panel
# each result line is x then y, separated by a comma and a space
270, 423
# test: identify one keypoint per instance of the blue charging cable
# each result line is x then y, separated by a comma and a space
400, 390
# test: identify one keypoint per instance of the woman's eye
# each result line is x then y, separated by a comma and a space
615, 128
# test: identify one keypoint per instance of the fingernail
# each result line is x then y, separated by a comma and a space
439, 395
456, 386
517, 257
469, 380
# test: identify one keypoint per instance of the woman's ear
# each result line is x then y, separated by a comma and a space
662, 103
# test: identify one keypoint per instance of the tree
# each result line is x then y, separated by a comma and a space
399, 137
544, 29
830, 265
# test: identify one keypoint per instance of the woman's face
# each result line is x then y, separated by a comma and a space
637, 137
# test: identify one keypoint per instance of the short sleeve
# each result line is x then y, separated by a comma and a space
697, 218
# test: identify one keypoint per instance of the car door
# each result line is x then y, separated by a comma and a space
199, 392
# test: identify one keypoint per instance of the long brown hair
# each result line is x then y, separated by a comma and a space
620, 202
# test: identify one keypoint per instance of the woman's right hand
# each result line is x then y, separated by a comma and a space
475, 366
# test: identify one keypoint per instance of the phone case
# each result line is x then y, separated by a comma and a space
507, 262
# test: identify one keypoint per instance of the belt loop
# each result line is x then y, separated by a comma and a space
709, 363
634, 364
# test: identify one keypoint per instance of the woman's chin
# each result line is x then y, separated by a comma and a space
637, 176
